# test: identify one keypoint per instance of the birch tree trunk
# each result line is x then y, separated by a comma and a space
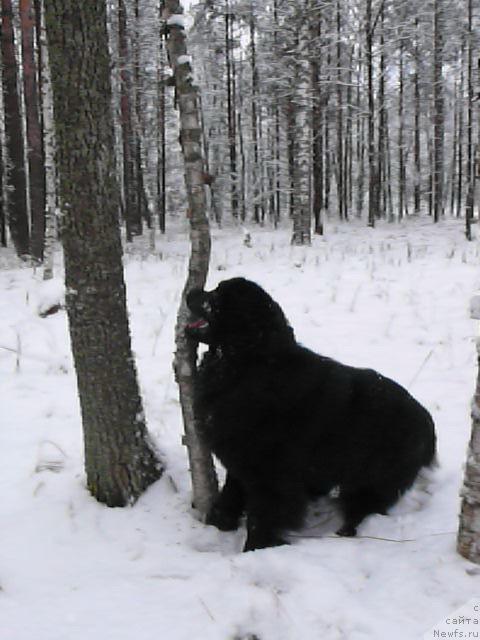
17, 200
119, 460
302, 141
48, 125
468, 540
204, 480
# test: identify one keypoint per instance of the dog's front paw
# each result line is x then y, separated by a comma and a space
253, 543
223, 520
347, 531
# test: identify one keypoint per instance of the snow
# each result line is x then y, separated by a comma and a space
475, 306
395, 298
184, 60
176, 20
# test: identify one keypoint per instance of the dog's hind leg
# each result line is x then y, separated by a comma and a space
270, 512
357, 504
228, 508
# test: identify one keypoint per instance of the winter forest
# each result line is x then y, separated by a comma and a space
328, 151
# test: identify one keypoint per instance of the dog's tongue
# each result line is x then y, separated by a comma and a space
198, 324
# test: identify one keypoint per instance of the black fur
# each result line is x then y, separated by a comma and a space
289, 424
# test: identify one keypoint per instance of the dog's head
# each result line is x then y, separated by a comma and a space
238, 316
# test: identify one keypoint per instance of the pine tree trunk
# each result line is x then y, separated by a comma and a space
35, 153
341, 204
231, 109
278, 195
17, 200
254, 118
133, 218
360, 133
3, 225
120, 462
161, 141
401, 135
416, 135
317, 131
460, 141
438, 111
204, 481
470, 169
372, 174
382, 126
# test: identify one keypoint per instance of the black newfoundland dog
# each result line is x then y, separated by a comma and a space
290, 425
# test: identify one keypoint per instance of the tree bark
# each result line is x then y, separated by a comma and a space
438, 111
35, 155
133, 218
468, 540
341, 204
48, 127
416, 136
372, 173
470, 197
204, 480
119, 459
302, 140
231, 109
17, 200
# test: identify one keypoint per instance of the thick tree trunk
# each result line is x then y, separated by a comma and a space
119, 460
35, 153
204, 481
17, 200
468, 541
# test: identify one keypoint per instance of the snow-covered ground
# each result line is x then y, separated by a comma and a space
395, 298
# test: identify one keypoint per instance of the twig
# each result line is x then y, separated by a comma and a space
210, 614
429, 355
428, 535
